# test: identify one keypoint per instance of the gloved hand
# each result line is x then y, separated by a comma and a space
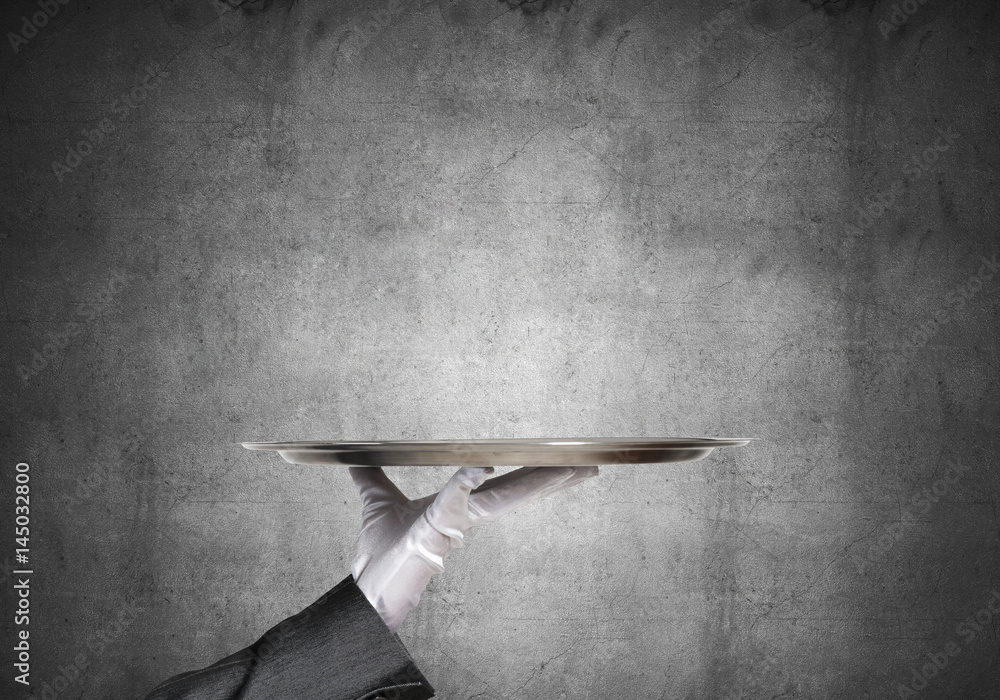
403, 543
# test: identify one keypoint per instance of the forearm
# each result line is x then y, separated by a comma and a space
336, 649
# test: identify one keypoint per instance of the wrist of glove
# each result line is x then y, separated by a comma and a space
393, 581
403, 543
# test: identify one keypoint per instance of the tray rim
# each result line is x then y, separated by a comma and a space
601, 443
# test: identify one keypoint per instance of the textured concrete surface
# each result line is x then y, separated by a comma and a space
466, 218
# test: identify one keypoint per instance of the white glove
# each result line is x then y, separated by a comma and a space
403, 543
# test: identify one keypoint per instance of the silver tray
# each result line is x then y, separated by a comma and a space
561, 452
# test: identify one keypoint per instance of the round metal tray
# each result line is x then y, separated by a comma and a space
561, 452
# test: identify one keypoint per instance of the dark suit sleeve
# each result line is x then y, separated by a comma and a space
336, 649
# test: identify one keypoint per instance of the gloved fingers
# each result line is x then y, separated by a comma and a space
505, 493
375, 488
449, 513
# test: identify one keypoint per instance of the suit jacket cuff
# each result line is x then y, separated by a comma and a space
336, 649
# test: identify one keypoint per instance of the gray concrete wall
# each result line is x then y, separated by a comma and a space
458, 218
